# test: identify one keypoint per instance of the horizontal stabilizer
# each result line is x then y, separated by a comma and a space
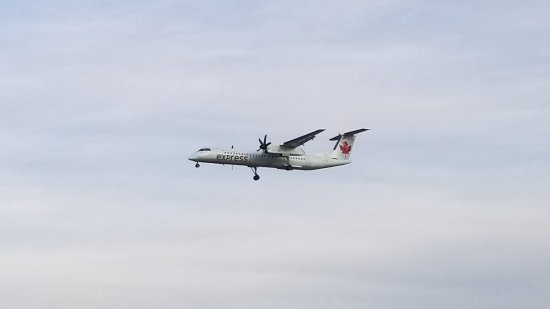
350, 133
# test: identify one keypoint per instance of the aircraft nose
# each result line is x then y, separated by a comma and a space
192, 157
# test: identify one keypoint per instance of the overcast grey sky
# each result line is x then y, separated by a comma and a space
445, 206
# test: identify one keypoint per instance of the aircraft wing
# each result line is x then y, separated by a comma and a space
299, 141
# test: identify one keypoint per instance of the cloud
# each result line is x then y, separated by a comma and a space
444, 205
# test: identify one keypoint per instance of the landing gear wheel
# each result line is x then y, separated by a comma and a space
255, 171
197, 165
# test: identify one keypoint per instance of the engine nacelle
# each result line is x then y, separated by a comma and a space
286, 151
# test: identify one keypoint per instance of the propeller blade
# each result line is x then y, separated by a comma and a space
263, 144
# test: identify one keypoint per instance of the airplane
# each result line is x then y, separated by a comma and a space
288, 155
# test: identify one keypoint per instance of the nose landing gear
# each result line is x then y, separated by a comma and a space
197, 165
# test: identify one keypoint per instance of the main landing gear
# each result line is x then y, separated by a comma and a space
197, 165
255, 171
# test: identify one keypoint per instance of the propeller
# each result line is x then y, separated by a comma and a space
263, 144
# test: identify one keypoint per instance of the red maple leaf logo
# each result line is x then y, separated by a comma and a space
345, 148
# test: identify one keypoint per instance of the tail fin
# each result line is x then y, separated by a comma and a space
344, 144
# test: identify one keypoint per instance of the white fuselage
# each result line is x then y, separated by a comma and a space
262, 159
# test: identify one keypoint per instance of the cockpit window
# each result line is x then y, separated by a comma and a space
204, 149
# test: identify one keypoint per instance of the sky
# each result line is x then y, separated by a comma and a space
446, 204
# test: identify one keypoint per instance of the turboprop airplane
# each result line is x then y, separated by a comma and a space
288, 156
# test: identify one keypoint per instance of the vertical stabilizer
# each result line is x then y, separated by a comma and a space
344, 144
